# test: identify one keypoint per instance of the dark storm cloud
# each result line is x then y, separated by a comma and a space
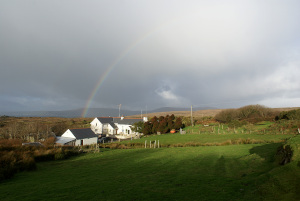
161, 53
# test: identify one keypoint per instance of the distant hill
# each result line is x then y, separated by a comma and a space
170, 109
93, 112
105, 112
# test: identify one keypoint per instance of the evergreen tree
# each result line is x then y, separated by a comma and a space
154, 119
161, 118
155, 126
162, 126
178, 124
170, 124
147, 130
172, 117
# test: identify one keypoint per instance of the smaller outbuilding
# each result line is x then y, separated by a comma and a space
77, 137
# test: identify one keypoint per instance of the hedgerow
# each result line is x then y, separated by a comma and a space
16, 158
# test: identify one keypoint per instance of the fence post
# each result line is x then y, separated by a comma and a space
145, 144
155, 144
150, 144
158, 144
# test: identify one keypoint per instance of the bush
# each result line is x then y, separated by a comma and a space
23, 158
27, 162
49, 142
289, 115
10, 142
236, 123
226, 116
14, 161
284, 154
250, 113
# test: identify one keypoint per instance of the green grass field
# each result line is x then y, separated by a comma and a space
235, 172
243, 166
177, 139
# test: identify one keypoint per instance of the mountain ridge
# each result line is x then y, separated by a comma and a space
93, 112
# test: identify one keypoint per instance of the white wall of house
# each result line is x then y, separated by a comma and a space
124, 129
108, 129
86, 141
69, 134
97, 126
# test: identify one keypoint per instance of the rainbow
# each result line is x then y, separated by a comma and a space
123, 54
110, 68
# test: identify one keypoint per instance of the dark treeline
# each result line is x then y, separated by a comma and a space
162, 124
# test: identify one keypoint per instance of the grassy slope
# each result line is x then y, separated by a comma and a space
237, 172
283, 182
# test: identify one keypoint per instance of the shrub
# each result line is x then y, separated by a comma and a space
10, 142
46, 155
27, 162
14, 159
250, 113
289, 115
226, 116
236, 123
284, 154
49, 142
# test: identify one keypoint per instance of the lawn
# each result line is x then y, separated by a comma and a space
207, 139
236, 172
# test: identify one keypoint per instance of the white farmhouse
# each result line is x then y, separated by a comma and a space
78, 137
118, 126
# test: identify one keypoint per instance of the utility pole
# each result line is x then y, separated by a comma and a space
192, 115
120, 110
146, 111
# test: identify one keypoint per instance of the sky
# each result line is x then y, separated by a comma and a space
70, 54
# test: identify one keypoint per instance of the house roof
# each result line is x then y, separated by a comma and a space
83, 133
63, 140
118, 120
107, 120
126, 121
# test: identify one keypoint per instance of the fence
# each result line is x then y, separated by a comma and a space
152, 144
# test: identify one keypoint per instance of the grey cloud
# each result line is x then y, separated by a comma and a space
162, 53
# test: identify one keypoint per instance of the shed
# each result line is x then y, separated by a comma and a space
81, 137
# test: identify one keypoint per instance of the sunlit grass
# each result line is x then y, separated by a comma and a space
189, 173
171, 139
